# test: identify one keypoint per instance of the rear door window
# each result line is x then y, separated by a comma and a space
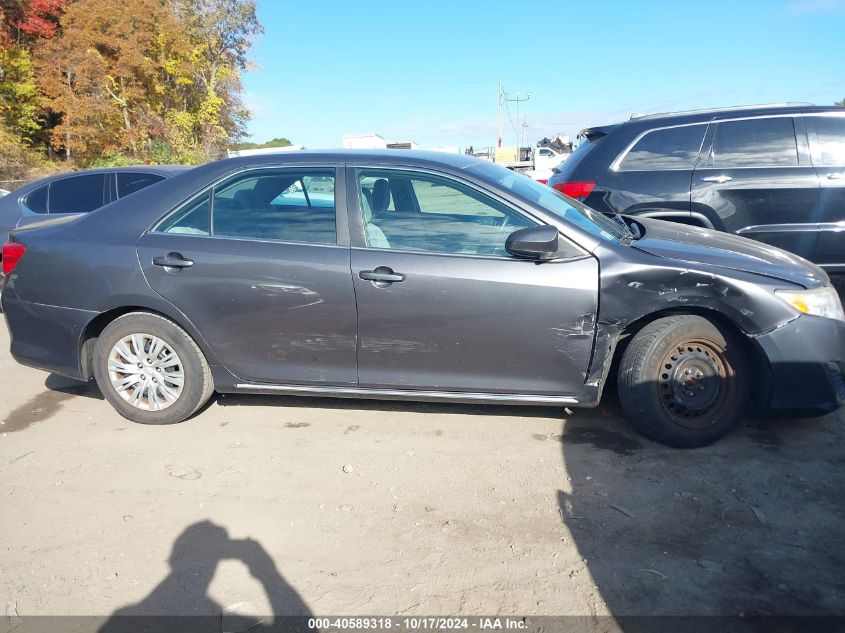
767, 142
830, 136
130, 182
669, 148
289, 205
77, 194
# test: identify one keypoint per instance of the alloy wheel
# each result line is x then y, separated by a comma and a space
146, 372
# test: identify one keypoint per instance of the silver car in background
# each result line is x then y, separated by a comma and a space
75, 192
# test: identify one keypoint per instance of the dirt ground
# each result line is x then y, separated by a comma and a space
349, 507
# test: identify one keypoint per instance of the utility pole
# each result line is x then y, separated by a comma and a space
504, 99
501, 103
517, 100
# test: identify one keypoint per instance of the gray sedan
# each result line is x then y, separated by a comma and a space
408, 275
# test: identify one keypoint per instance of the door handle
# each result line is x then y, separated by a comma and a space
836, 176
718, 179
381, 274
173, 260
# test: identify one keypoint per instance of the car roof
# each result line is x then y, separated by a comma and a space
376, 156
162, 170
696, 116
154, 169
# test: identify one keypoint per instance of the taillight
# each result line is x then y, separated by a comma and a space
543, 181
580, 189
12, 252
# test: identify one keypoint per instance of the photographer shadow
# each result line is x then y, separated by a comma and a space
181, 602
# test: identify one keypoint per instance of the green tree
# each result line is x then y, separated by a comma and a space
18, 95
276, 142
222, 32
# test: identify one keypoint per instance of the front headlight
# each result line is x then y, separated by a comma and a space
823, 302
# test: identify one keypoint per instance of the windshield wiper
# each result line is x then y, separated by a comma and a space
629, 236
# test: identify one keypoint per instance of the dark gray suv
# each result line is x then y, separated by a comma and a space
772, 173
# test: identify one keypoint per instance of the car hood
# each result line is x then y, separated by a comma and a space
714, 248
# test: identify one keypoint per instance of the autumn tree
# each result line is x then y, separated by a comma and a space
18, 94
107, 74
158, 80
222, 32
22, 23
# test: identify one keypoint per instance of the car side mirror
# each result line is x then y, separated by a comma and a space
536, 242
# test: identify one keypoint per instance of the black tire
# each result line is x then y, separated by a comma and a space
683, 381
197, 382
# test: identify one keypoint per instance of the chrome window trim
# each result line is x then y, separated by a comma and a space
614, 166
835, 227
833, 113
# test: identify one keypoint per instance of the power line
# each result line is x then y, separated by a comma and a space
510, 118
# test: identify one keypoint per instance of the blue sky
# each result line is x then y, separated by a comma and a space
428, 70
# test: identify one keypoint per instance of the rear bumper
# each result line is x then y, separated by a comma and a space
45, 337
807, 366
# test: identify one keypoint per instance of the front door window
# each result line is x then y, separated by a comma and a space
408, 211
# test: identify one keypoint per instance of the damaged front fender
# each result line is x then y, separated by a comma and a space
642, 287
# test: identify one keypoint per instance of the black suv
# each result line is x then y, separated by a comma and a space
773, 173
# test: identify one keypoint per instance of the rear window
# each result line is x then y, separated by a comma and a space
830, 133
669, 148
130, 182
77, 194
755, 143
36, 201
581, 151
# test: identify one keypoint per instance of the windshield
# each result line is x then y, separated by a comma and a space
562, 206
